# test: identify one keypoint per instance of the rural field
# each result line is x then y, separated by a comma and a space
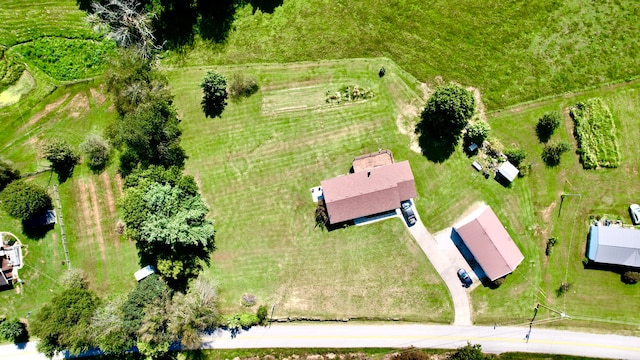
256, 164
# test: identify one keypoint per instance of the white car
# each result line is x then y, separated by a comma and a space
634, 211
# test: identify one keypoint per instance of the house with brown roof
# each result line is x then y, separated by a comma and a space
368, 191
490, 244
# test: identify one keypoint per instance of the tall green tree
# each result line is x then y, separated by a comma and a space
23, 200
170, 229
194, 312
63, 158
214, 94
62, 323
97, 152
447, 112
547, 125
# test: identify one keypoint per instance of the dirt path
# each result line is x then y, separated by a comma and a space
96, 219
84, 205
111, 203
47, 109
120, 184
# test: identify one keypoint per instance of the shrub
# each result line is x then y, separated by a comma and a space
478, 132
411, 354
552, 152
12, 330
564, 287
515, 156
494, 147
262, 315
499, 281
468, 352
547, 125
62, 156
97, 151
242, 86
631, 277
382, 71
248, 300
248, 320
74, 278
550, 244
23, 200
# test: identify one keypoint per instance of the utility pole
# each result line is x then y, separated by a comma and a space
562, 200
273, 308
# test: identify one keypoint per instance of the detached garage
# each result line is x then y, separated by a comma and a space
490, 245
614, 246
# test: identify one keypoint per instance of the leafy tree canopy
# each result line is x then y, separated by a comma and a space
167, 220
12, 330
478, 132
547, 125
62, 156
63, 322
214, 94
23, 200
97, 152
447, 112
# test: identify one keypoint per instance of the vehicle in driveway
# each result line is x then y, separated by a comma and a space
407, 212
464, 278
634, 211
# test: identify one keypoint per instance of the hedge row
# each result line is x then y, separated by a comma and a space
595, 132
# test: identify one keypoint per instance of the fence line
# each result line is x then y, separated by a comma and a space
61, 222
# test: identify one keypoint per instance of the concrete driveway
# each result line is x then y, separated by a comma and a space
446, 259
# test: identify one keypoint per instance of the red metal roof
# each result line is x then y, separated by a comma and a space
491, 245
368, 192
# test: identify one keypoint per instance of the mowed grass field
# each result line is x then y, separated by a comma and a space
512, 52
255, 167
88, 201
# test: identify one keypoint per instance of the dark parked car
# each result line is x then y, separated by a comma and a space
464, 278
408, 213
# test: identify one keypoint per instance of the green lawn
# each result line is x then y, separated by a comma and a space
255, 166
89, 215
603, 191
512, 52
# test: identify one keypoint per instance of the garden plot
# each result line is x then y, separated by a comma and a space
315, 97
595, 131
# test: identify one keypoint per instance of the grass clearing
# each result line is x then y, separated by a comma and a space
595, 132
510, 52
14, 92
24, 21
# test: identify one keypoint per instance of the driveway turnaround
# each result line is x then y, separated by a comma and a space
446, 262
494, 340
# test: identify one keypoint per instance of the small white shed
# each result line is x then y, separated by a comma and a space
144, 272
508, 171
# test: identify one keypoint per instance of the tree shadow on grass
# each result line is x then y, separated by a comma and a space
436, 149
35, 231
